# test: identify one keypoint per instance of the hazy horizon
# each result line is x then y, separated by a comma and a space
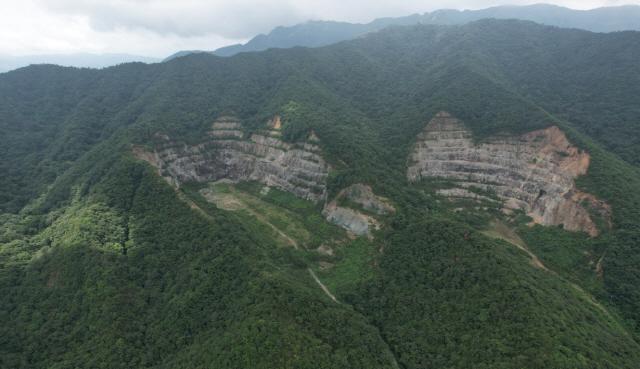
158, 28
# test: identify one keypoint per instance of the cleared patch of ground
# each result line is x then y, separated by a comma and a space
283, 222
498, 229
222, 200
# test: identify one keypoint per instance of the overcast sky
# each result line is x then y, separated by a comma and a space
160, 27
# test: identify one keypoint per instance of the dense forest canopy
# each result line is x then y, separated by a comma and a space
104, 264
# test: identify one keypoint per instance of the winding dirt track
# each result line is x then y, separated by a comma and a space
503, 232
324, 288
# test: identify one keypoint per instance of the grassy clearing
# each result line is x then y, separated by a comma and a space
498, 229
355, 262
290, 220
285, 217
306, 215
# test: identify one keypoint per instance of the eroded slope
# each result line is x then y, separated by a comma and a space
229, 152
356, 209
534, 172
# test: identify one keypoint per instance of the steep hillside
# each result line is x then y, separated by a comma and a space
314, 208
227, 154
534, 173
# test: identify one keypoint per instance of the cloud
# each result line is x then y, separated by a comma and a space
160, 27
184, 18
245, 18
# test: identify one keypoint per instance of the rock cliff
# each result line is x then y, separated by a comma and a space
229, 152
534, 172
355, 209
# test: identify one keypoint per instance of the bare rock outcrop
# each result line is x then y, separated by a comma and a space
350, 219
534, 172
228, 152
355, 209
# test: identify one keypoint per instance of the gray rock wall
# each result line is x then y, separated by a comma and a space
534, 172
362, 221
227, 153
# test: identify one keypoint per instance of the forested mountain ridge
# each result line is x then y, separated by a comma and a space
106, 264
80, 60
322, 33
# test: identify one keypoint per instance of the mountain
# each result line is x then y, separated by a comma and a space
423, 196
8, 63
182, 53
606, 19
322, 33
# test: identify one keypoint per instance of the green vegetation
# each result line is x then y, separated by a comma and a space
191, 291
573, 255
354, 263
297, 218
447, 296
103, 264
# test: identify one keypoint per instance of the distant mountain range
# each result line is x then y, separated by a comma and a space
81, 60
322, 33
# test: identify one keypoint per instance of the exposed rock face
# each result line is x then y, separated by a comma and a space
534, 172
228, 154
355, 220
352, 220
363, 196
